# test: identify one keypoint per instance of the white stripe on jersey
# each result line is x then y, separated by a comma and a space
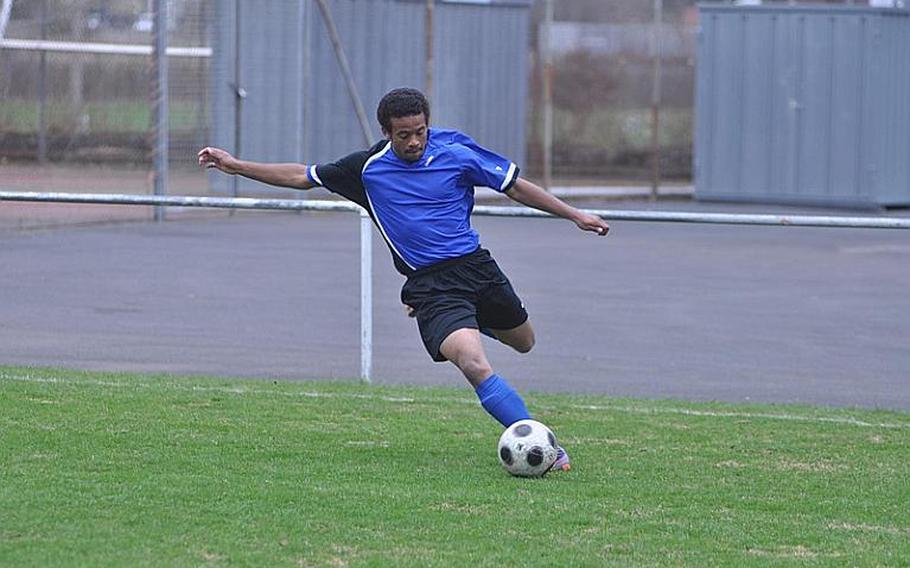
385, 235
314, 176
509, 174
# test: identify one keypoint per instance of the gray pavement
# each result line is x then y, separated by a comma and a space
763, 314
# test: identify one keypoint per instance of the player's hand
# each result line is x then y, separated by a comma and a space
219, 159
593, 223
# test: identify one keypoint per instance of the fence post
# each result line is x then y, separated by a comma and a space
655, 97
239, 96
42, 91
159, 63
428, 56
366, 297
547, 56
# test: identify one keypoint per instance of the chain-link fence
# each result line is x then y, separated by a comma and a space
76, 94
603, 57
603, 76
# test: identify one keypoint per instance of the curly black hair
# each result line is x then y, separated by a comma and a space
401, 102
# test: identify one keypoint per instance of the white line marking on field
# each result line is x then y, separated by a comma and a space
749, 415
842, 420
199, 388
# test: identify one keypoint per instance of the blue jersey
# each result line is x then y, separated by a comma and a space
423, 208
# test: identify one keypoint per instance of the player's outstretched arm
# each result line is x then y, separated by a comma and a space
532, 195
284, 175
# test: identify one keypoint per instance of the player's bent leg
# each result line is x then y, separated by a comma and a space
519, 338
501, 401
463, 348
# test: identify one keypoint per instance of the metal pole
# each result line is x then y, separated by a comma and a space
4, 16
366, 297
159, 62
180, 201
239, 95
305, 89
655, 99
428, 87
714, 218
85, 47
547, 74
77, 80
346, 71
202, 27
303, 104
42, 91
830, 221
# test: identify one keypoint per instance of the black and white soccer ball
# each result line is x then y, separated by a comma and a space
527, 449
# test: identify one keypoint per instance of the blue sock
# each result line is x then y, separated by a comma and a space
502, 402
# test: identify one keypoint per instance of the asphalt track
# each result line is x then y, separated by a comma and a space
696, 312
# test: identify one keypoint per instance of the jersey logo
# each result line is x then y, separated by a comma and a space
430, 159
498, 168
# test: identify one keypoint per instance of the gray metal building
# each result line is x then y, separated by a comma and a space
803, 104
297, 106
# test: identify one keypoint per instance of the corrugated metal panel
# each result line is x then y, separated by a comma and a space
298, 107
269, 73
803, 104
383, 40
222, 98
481, 74
845, 172
894, 73
271, 110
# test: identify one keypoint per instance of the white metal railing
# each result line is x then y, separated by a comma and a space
366, 269
841, 221
99, 48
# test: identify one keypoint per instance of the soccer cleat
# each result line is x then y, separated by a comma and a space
562, 461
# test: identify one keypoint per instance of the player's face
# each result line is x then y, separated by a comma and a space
409, 136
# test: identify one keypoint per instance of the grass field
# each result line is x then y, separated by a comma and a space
128, 470
21, 115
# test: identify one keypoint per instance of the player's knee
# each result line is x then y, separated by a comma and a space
524, 345
474, 366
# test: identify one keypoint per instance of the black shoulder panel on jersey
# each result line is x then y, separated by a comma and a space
344, 176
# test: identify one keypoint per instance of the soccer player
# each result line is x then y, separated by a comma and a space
418, 187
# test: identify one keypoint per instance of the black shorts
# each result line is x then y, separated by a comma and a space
466, 292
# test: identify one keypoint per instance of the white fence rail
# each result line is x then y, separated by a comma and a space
99, 48
841, 221
366, 285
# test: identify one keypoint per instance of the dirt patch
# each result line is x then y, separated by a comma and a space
896, 531
813, 467
797, 551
